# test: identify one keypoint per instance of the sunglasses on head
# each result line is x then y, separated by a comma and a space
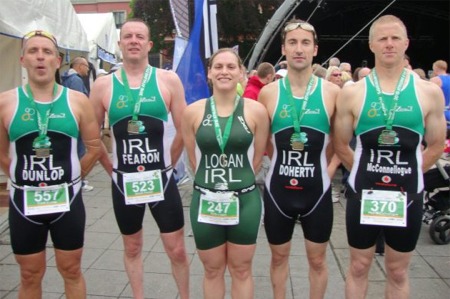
302, 25
39, 33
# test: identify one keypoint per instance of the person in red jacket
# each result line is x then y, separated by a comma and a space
264, 75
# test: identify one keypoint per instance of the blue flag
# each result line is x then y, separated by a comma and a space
190, 69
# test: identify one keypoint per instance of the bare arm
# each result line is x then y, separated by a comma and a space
189, 124
99, 98
176, 106
437, 81
435, 124
330, 94
89, 130
6, 100
267, 97
343, 124
258, 118
5, 160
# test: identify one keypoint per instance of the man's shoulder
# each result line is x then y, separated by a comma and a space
7, 99
8, 94
166, 76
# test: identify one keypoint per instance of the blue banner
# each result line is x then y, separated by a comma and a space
191, 69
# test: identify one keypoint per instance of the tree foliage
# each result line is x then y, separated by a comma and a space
239, 22
157, 14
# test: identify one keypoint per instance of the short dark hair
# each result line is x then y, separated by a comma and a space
137, 20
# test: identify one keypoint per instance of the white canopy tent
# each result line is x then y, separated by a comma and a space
102, 37
17, 17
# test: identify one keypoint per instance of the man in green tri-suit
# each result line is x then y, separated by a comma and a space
392, 114
298, 186
40, 123
140, 100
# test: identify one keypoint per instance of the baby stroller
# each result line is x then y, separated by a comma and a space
437, 203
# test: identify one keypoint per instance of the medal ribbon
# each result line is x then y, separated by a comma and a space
137, 104
295, 116
42, 119
389, 115
222, 139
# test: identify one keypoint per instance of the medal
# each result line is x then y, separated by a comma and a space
135, 127
42, 146
388, 137
298, 138
223, 160
42, 152
298, 141
222, 139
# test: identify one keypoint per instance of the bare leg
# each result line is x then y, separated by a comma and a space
174, 246
214, 262
397, 265
239, 260
133, 262
69, 266
358, 273
279, 268
32, 270
318, 270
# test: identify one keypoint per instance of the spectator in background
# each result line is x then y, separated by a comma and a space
355, 74
363, 72
281, 65
421, 73
406, 62
346, 78
242, 84
265, 74
334, 75
281, 73
334, 61
319, 71
442, 79
73, 79
346, 67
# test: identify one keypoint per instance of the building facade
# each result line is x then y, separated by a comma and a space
120, 8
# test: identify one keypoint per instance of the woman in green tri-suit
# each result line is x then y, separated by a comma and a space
225, 137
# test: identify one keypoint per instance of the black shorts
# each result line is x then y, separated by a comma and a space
316, 221
29, 233
168, 213
402, 239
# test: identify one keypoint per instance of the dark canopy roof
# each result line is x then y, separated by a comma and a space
338, 21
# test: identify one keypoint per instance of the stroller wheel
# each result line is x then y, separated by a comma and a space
440, 229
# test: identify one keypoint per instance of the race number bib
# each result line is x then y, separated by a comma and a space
219, 208
46, 200
143, 187
380, 207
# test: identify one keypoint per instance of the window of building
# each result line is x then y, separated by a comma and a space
119, 18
